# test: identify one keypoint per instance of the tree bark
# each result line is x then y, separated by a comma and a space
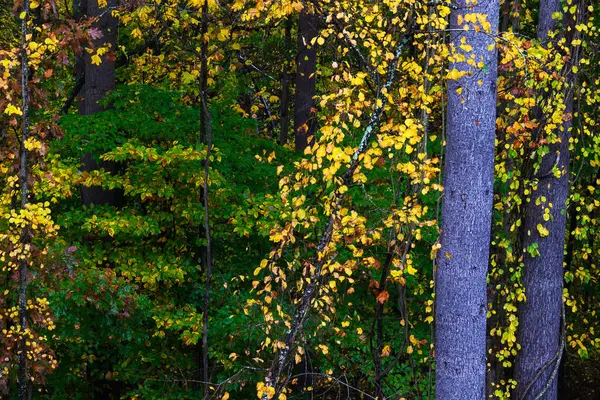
285, 85
99, 80
540, 315
466, 214
304, 115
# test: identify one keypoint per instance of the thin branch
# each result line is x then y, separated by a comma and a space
274, 375
76, 89
25, 239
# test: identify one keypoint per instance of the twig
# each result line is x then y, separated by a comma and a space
76, 89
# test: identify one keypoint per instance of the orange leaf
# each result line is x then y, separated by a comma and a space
383, 296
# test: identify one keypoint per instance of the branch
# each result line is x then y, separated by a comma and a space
76, 89
274, 374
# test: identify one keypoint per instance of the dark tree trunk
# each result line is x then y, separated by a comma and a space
306, 62
540, 315
466, 215
510, 15
99, 80
285, 85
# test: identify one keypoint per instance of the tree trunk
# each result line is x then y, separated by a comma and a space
304, 115
510, 15
285, 85
99, 79
536, 366
466, 214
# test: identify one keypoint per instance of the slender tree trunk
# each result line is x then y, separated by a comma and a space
203, 72
304, 115
466, 215
539, 332
206, 138
510, 15
23, 377
99, 80
505, 19
285, 85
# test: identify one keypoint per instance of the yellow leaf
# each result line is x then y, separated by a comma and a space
96, 60
543, 231
453, 74
411, 270
225, 396
321, 41
136, 33
301, 214
386, 351
324, 349
12, 109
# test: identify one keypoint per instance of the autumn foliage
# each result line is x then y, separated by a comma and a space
171, 241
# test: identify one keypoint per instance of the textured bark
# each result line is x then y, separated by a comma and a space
540, 315
466, 216
304, 118
99, 80
285, 86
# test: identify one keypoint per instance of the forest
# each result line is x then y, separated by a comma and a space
300, 199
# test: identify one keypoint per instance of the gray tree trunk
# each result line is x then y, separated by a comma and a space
540, 314
304, 118
99, 80
460, 309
